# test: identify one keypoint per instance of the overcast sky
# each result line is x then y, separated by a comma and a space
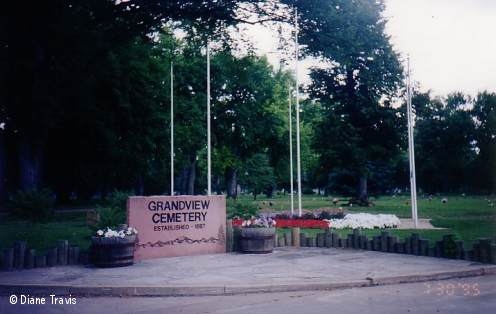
451, 43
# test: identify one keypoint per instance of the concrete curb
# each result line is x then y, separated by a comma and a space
490, 270
163, 291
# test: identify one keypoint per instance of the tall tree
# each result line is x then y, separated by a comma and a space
484, 112
246, 120
257, 175
444, 142
61, 61
360, 130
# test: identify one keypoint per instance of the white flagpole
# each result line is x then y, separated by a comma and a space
298, 157
411, 148
291, 153
172, 129
209, 165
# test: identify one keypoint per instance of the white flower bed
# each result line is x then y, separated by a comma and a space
365, 221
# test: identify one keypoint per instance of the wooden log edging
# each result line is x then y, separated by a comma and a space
20, 256
483, 251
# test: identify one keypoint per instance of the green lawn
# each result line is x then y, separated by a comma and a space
41, 236
468, 218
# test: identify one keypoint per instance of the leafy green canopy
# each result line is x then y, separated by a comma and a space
84, 93
359, 131
455, 142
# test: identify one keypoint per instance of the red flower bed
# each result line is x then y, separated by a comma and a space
293, 223
302, 223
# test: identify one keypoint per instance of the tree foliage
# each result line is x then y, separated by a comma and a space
453, 142
359, 131
84, 102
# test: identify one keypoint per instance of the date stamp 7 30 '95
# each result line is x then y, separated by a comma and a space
452, 289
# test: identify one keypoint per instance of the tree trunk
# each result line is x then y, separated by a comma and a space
183, 180
362, 190
232, 184
139, 187
218, 187
269, 192
492, 167
192, 178
30, 161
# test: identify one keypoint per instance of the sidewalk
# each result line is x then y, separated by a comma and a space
407, 223
287, 269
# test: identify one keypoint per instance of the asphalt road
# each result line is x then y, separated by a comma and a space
466, 295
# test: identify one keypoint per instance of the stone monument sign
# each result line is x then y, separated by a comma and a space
178, 225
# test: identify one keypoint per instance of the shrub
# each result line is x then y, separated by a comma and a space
113, 210
331, 215
117, 199
34, 205
306, 215
308, 191
244, 210
110, 217
283, 216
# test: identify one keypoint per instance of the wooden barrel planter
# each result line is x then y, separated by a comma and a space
113, 251
257, 240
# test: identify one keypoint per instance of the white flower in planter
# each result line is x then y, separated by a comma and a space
109, 233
